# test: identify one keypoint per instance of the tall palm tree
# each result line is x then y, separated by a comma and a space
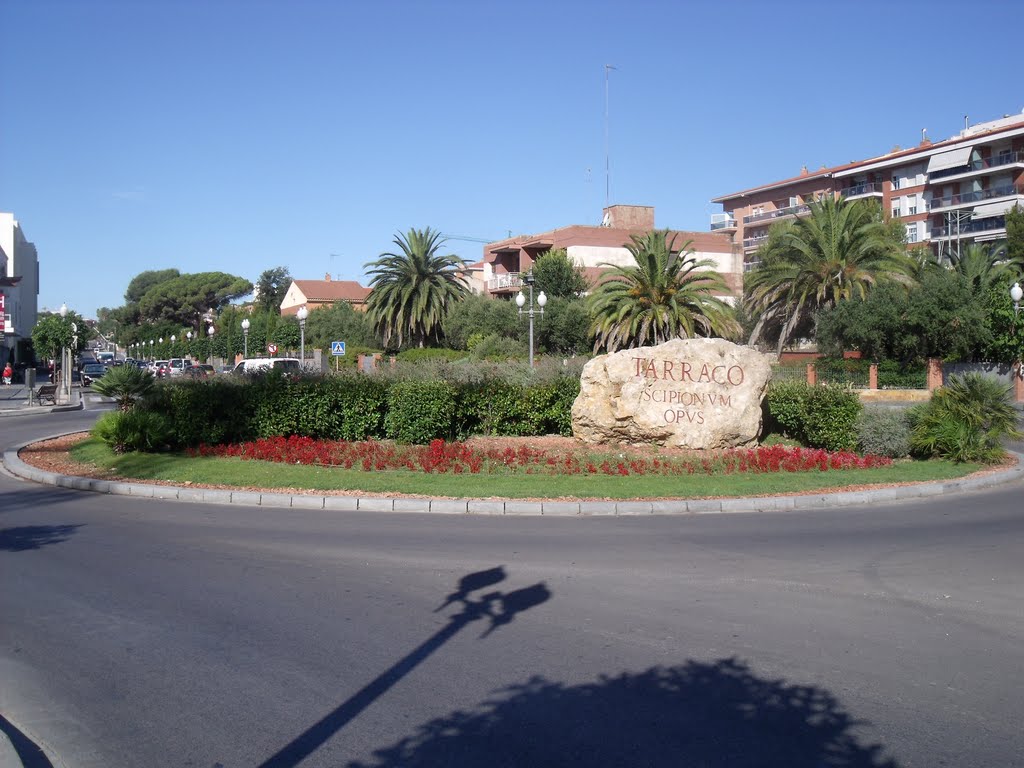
413, 289
840, 250
666, 295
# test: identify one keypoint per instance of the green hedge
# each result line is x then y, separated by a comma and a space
824, 416
353, 406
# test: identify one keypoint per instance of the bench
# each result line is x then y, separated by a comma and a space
47, 392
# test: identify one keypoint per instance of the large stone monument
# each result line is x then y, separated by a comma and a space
689, 393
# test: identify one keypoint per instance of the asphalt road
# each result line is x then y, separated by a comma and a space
146, 633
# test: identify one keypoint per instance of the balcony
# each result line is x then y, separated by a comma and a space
981, 165
722, 221
868, 189
750, 266
969, 229
970, 198
754, 242
510, 281
793, 210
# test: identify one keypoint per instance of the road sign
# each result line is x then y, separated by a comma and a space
337, 347
272, 349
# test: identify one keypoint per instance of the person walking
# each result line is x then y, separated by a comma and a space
8, 373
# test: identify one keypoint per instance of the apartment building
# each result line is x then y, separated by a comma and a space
947, 194
19, 288
593, 247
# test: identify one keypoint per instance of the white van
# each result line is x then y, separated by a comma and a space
265, 364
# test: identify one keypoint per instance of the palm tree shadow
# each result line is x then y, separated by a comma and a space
705, 715
28, 537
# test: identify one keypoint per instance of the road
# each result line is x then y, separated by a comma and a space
146, 633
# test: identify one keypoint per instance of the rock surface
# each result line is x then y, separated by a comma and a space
688, 393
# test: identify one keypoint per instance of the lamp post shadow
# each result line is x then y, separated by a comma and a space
500, 608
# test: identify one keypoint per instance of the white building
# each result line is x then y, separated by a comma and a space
19, 285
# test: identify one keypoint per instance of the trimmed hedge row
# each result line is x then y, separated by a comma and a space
359, 407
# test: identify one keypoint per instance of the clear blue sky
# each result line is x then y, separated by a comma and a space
241, 136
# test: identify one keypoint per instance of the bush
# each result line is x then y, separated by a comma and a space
966, 420
894, 375
884, 432
831, 418
823, 416
418, 354
786, 406
412, 402
134, 430
420, 411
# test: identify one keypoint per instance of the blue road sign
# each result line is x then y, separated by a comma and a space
337, 347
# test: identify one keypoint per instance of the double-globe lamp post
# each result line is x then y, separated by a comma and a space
245, 337
65, 358
302, 314
521, 300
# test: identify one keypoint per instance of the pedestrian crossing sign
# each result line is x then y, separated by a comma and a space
337, 347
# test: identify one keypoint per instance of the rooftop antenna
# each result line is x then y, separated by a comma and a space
607, 166
967, 122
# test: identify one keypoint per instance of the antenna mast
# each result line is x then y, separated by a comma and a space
607, 166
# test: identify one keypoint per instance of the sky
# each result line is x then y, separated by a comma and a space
240, 136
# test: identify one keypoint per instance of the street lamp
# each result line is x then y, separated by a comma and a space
245, 337
302, 314
1016, 293
151, 358
521, 300
65, 354
173, 339
210, 332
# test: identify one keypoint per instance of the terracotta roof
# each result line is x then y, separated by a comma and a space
332, 290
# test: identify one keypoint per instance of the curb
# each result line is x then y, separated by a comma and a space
504, 507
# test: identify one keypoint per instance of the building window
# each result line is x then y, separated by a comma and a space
896, 208
895, 182
912, 205
912, 233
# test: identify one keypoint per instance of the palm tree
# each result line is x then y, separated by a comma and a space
127, 384
666, 295
840, 250
985, 266
413, 289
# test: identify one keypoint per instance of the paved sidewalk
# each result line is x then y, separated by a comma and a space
18, 400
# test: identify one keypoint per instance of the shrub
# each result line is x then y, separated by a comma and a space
420, 411
884, 432
823, 416
894, 375
786, 406
965, 420
418, 354
830, 420
126, 384
134, 430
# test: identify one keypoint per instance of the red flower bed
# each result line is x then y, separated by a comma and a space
442, 457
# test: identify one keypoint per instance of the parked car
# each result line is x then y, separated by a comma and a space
254, 365
200, 371
177, 366
91, 372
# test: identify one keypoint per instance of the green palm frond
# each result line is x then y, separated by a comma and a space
413, 289
665, 294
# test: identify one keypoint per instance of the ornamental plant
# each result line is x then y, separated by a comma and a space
966, 420
440, 456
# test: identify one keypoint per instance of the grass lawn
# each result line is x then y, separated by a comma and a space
241, 473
